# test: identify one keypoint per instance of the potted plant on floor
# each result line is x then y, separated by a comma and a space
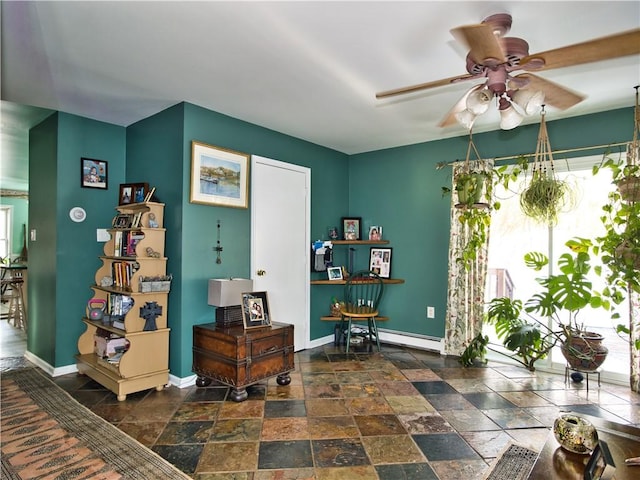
532, 328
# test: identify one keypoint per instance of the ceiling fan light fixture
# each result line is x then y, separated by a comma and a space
478, 101
530, 101
466, 118
510, 118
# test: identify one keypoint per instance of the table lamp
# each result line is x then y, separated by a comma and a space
226, 295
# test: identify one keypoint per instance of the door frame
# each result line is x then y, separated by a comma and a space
306, 171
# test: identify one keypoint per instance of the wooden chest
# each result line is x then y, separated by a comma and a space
239, 357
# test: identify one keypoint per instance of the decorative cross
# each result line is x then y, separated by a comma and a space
150, 311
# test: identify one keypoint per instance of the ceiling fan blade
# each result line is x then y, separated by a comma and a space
483, 44
423, 86
555, 95
450, 118
612, 46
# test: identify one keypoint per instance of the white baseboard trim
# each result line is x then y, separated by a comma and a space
182, 382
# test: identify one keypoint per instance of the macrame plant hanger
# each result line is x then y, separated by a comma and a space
543, 157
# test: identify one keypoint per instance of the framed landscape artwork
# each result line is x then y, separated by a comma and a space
219, 176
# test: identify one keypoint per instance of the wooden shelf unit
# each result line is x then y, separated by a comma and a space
145, 363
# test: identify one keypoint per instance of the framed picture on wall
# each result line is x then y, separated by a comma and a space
93, 173
255, 310
219, 176
351, 229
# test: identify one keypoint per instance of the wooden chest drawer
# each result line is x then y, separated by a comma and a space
239, 357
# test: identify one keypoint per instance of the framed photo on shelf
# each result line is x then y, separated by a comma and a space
351, 228
255, 310
219, 176
334, 273
375, 233
93, 173
126, 194
140, 191
122, 221
380, 261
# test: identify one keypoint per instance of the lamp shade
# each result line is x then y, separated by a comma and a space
510, 118
465, 118
478, 101
226, 292
529, 100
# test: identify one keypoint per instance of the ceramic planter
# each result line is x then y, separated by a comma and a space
584, 351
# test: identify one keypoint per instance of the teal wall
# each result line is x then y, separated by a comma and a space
20, 219
159, 152
64, 258
397, 188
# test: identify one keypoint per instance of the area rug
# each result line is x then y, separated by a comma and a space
46, 434
514, 463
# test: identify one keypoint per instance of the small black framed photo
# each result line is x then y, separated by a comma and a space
93, 173
126, 194
351, 228
334, 273
255, 310
380, 261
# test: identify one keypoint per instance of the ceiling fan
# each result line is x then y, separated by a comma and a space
497, 58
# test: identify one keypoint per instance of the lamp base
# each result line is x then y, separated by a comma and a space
227, 317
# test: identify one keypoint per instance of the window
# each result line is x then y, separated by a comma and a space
512, 235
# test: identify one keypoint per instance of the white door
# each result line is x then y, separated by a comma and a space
280, 229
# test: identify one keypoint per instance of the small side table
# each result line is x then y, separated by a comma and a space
568, 369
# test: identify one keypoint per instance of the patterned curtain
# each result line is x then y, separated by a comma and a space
466, 285
634, 327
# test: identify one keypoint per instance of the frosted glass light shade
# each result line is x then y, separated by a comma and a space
478, 101
510, 118
529, 100
226, 292
465, 118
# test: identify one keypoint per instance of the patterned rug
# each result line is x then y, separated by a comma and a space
46, 434
514, 463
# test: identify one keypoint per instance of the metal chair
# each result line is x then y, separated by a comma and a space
362, 294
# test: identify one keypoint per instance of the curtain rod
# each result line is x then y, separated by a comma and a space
568, 150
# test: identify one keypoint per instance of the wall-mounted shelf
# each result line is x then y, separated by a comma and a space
330, 318
359, 242
342, 282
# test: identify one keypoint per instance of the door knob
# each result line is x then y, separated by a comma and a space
261, 273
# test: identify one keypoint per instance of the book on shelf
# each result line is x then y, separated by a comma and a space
117, 244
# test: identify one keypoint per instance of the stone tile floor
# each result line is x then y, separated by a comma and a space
399, 414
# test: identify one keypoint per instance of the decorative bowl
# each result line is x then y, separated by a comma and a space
575, 434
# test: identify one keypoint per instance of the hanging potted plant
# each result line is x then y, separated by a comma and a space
545, 195
531, 328
473, 185
619, 247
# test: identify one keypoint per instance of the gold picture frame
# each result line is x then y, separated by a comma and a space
219, 176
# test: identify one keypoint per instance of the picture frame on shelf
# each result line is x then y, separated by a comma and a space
255, 310
375, 233
351, 228
122, 220
140, 191
219, 176
334, 273
126, 194
380, 261
94, 173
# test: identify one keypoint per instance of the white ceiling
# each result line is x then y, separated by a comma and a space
306, 69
